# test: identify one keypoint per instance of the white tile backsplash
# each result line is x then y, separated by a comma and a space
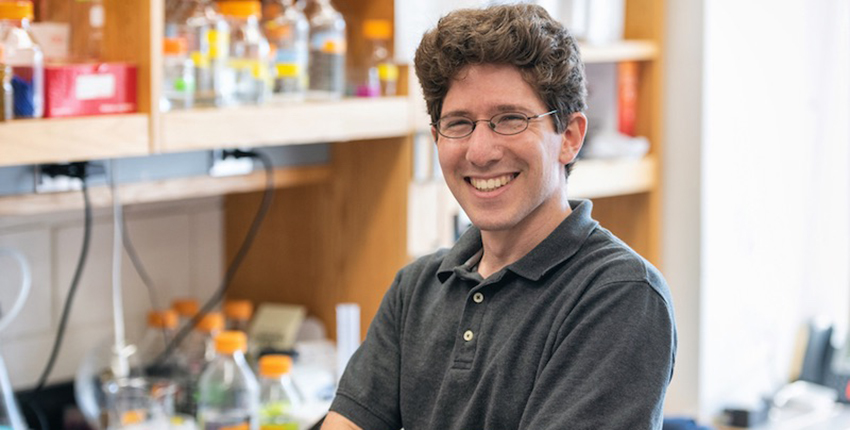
179, 243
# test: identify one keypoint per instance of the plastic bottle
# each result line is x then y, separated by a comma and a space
178, 78
159, 333
229, 394
197, 351
278, 397
327, 52
237, 314
380, 76
24, 56
288, 33
207, 37
186, 310
87, 20
6, 92
249, 55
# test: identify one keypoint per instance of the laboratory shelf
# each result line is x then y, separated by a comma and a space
623, 50
286, 124
73, 139
614, 177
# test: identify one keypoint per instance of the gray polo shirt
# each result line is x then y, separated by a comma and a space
578, 334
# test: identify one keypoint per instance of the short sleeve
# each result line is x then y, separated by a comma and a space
368, 392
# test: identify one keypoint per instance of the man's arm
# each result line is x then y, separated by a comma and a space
335, 421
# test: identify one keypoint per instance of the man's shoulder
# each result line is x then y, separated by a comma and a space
426, 265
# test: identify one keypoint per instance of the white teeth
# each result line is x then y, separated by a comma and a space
490, 184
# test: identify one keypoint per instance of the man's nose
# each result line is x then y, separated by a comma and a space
483, 145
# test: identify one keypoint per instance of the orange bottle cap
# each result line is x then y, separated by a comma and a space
162, 319
186, 308
228, 342
240, 8
174, 45
213, 321
16, 9
274, 366
377, 29
238, 309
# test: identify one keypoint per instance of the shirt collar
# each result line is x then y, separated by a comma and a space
560, 245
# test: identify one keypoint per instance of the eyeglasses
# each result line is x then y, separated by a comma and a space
506, 124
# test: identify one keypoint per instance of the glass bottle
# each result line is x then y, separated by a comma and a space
24, 56
207, 36
178, 80
87, 20
186, 309
197, 351
288, 33
237, 314
278, 397
159, 333
327, 52
6, 93
380, 76
228, 391
249, 55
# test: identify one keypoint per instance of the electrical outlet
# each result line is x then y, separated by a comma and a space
222, 163
57, 178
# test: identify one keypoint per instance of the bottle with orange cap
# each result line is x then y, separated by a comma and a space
186, 309
288, 33
237, 314
279, 399
160, 332
24, 55
249, 60
380, 76
327, 51
198, 350
6, 92
228, 391
178, 76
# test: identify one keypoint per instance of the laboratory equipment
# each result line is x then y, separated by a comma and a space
228, 391
24, 55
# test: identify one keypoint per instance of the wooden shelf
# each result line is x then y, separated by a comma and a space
608, 178
73, 139
625, 50
282, 124
166, 190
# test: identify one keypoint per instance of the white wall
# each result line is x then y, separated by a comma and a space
180, 244
771, 205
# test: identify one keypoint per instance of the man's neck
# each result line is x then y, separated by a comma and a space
502, 248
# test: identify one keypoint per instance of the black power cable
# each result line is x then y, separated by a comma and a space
218, 295
137, 263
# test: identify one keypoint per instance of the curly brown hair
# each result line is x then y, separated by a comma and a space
522, 35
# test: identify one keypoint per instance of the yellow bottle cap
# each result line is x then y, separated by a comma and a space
238, 309
240, 8
275, 365
377, 29
16, 9
228, 342
213, 321
186, 308
162, 319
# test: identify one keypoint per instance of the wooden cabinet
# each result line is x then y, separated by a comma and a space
336, 233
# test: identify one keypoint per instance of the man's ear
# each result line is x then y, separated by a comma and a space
434, 133
573, 137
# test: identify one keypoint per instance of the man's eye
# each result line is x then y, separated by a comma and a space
456, 123
510, 117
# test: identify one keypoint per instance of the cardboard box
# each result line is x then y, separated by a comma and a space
89, 89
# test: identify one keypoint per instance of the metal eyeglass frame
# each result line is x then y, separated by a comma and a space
436, 124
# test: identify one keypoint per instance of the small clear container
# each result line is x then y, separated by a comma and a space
249, 55
327, 52
288, 33
279, 399
178, 77
380, 76
24, 56
88, 18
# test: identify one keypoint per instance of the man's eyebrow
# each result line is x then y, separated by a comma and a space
499, 108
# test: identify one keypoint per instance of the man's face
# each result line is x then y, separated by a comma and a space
503, 182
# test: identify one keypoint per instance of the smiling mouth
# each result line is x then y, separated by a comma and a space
492, 183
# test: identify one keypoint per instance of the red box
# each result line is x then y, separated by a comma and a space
89, 89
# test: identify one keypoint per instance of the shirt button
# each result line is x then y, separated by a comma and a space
478, 297
467, 335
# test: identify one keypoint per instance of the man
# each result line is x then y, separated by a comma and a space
538, 318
